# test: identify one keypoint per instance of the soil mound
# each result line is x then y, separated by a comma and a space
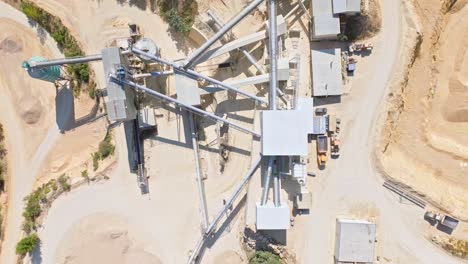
11, 45
102, 238
31, 110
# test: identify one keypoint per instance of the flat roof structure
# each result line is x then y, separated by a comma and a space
306, 108
355, 241
270, 217
187, 89
349, 7
283, 133
325, 24
326, 72
120, 100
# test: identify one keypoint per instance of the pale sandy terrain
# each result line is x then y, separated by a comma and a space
168, 220
33, 113
428, 140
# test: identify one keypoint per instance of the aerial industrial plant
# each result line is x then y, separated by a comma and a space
219, 132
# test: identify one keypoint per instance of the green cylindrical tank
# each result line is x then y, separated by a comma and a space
49, 74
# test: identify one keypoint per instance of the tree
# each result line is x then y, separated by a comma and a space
265, 257
27, 244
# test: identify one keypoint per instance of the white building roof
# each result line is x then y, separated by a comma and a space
355, 241
187, 89
283, 133
270, 217
346, 6
325, 24
326, 72
306, 108
120, 101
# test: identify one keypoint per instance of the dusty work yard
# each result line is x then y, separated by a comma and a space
425, 142
34, 113
165, 224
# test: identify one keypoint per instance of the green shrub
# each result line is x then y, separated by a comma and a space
92, 92
95, 161
265, 257
84, 174
106, 148
65, 41
33, 207
63, 181
179, 14
27, 244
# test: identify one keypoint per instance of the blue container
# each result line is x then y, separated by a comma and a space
49, 74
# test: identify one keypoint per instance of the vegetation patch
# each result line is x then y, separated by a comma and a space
180, 15
3, 153
27, 244
3, 170
105, 150
265, 257
65, 41
457, 247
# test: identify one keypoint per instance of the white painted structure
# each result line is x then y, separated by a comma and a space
355, 241
347, 7
270, 217
281, 29
283, 133
187, 89
326, 72
325, 24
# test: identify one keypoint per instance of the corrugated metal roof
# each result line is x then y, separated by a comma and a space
325, 26
319, 125
120, 105
355, 241
306, 108
326, 72
325, 23
346, 6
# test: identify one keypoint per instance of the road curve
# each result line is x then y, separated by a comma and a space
352, 184
22, 169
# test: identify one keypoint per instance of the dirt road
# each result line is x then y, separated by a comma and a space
352, 186
28, 143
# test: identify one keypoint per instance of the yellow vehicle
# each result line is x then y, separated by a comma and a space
322, 150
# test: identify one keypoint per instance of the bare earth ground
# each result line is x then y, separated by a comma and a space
167, 221
428, 143
33, 113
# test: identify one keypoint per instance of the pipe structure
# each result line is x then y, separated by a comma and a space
247, 54
151, 74
294, 9
267, 177
183, 105
220, 214
201, 186
198, 75
48, 63
276, 186
196, 54
84, 59
273, 41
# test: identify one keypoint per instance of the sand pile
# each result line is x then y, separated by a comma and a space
31, 109
102, 238
11, 45
428, 144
